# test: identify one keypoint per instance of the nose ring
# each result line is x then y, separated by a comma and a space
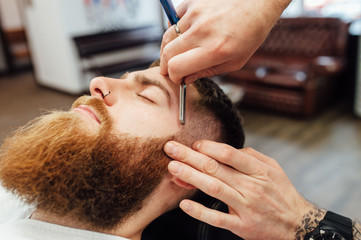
104, 95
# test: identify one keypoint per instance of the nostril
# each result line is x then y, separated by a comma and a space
98, 91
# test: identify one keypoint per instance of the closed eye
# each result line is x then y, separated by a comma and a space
145, 98
146, 83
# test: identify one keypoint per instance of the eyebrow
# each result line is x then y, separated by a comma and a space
143, 80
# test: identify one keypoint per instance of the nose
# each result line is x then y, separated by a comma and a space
102, 88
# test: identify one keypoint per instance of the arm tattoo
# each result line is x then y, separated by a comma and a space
356, 227
309, 222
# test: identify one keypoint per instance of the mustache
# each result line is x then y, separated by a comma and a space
98, 179
97, 105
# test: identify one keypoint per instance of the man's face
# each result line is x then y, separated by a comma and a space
143, 103
102, 159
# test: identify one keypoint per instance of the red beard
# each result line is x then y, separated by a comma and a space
97, 178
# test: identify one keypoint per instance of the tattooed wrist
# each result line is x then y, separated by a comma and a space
356, 229
309, 222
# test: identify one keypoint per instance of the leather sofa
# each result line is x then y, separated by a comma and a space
298, 67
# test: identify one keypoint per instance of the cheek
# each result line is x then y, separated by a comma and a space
140, 121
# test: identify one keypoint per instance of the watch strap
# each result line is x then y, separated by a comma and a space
335, 222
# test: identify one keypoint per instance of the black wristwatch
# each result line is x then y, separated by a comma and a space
333, 226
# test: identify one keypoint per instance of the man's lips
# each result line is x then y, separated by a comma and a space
87, 111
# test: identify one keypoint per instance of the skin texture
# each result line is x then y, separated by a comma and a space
101, 165
95, 166
138, 107
254, 186
217, 36
94, 177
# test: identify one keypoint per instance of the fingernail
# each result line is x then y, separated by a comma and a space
185, 206
170, 148
174, 167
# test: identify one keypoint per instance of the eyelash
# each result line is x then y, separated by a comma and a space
145, 98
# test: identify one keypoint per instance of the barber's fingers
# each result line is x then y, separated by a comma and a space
238, 159
182, 8
207, 184
199, 161
173, 42
267, 160
211, 168
171, 34
214, 70
206, 164
207, 215
183, 24
191, 61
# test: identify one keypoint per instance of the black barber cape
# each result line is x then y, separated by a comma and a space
177, 225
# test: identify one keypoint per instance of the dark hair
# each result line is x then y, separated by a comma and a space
216, 102
218, 107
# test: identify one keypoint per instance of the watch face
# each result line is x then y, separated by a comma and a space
327, 236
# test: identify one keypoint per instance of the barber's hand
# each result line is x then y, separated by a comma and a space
217, 36
263, 203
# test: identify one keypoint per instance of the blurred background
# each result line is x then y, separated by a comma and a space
300, 94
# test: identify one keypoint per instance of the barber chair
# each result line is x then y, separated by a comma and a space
177, 225
298, 67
